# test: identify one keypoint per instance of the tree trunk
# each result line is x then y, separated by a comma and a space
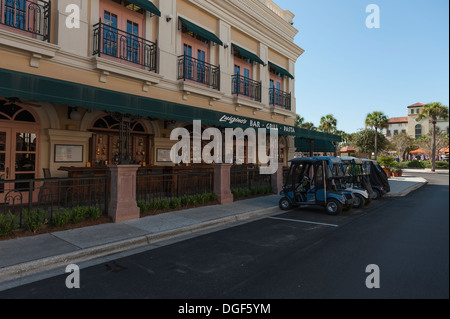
376, 143
433, 151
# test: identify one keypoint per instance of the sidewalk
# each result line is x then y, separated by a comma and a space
31, 255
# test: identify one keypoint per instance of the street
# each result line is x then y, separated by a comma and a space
300, 254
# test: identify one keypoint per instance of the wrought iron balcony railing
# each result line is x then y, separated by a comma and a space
28, 16
198, 71
280, 98
124, 46
242, 85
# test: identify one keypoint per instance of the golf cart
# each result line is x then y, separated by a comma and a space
310, 181
377, 177
356, 181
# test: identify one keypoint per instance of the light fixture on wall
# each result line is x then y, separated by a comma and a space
226, 45
169, 17
74, 114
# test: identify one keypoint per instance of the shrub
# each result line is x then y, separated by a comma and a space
94, 212
78, 214
212, 197
386, 161
8, 223
175, 202
33, 219
163, 204
442, 165
416, 164
60, 218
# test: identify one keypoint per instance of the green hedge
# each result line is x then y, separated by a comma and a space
245, 192
34, 219
159, 204
427, 164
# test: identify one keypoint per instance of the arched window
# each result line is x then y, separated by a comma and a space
19, 144
418, 131
105, 143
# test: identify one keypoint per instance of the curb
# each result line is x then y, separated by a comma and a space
409, 190
45, 264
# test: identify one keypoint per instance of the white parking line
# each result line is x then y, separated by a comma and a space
303, 221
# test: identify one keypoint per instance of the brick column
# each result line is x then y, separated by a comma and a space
122, 204
277, 179
222, 183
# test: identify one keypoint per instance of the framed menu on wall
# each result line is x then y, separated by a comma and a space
68, 153
163, 155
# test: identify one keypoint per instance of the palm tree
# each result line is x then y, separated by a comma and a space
376, 120
328, 123
308, 126
433, 111
298, 121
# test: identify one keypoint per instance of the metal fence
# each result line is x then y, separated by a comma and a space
248, 177
125, 46
157, 186
30, 16
53, 194
280, 98
198, 71
247, 87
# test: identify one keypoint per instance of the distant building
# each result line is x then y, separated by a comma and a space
411, 126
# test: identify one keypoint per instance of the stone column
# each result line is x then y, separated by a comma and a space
122, 204
222, 183
277, 179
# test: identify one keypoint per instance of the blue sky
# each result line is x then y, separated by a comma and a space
349, 70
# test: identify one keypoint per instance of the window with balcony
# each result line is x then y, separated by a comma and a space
242, 80
194, 64
278, 97
119, 35
26, 17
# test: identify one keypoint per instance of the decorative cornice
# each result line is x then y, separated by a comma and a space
269, 29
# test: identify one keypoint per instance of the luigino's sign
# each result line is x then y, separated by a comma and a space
236, 120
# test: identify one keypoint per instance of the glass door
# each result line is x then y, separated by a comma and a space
4, 158
18, 163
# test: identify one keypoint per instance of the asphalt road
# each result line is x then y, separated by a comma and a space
301, 254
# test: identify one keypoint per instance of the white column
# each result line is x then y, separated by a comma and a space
225, 58
167, 40
72, 39
264, 74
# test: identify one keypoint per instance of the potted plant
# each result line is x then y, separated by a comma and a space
387, 162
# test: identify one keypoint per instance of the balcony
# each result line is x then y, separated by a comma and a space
30, 18
191, 69
124, 47
278, 98
243, 86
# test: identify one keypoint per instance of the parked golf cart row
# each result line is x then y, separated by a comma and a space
335, 183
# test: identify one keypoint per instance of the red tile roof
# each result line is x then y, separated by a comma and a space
347, 149
417, 104
403, 119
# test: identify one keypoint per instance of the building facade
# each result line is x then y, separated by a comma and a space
89, 83
411, 126
227, 57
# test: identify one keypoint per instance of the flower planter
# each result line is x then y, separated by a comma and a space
388, 172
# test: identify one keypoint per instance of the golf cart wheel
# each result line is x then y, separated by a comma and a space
285, 204
359, 201
378, 194
333, 207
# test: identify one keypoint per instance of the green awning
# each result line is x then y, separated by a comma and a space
248, 54
43, 89
147, 5
304, 145
281, 70
200, 31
